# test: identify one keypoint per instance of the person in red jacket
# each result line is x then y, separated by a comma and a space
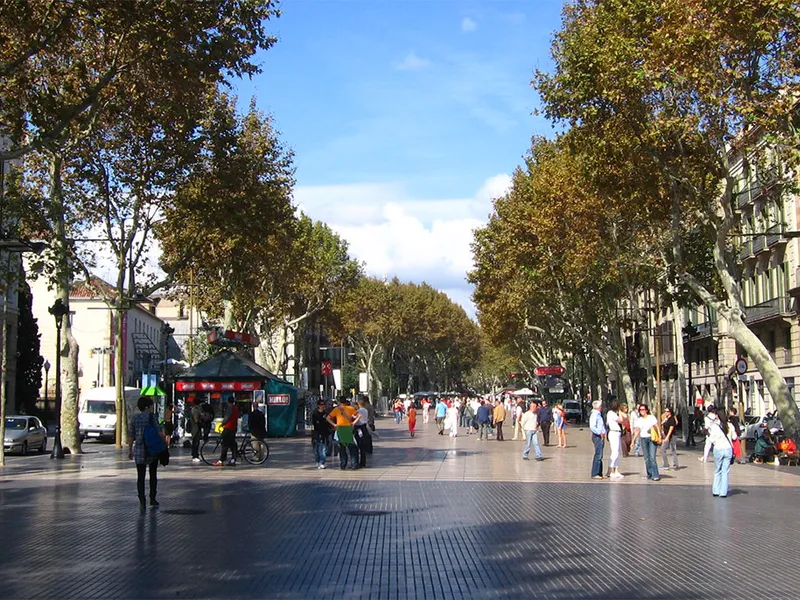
229, 425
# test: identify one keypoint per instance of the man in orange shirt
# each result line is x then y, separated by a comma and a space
342, 418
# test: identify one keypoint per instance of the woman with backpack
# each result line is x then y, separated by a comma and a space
144, 427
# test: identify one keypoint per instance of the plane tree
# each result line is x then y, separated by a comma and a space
708, 89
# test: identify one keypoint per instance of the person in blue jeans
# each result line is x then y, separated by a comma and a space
530, 425
598, 428
483, 417
720, 434
321, 434
644, 426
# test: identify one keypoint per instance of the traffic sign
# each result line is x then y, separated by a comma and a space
326, 367
557, 370
741, 366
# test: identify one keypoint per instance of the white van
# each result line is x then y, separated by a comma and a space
97, 417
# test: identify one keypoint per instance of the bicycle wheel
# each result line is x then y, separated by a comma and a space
255, 452
209, 451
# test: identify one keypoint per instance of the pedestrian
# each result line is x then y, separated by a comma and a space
137, 451
206, 419
720, 434
320, 433
451, 420
230, 422
398, 410
636, 443
669, 425
530, 425
614, 422
735, 423
598, 429
194, 427
708, 421
625, 442
469, 416
412, 420
560, 418
441, 413
257, 423
361, 433
545, 421
519, 433
498, 417
644, 432
426, 407
483, 417
342, 419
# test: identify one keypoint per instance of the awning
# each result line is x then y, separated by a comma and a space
152, 390
217, 386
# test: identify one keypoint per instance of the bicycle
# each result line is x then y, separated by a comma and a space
255, 452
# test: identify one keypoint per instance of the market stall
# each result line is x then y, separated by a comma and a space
227, 374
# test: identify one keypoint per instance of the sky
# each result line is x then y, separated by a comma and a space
406, 119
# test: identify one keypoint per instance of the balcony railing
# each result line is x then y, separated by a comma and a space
748, 194
746, 250
775, 235
777, 307
759, 244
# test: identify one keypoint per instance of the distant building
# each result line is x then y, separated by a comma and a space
94, 328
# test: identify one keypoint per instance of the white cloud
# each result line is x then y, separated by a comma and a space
395, 233
412, 62
468, 25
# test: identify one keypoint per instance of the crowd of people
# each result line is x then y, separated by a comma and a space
343, 429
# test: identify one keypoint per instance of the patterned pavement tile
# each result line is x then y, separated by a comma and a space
432, 517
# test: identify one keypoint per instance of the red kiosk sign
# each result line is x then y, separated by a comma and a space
556, 370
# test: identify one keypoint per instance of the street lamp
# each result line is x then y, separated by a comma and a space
46, 380
58, 310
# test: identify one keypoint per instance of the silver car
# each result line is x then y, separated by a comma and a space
24, 433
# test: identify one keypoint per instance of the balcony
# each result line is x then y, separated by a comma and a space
775, 235
759, 244
771, 309
748, 194
746, 250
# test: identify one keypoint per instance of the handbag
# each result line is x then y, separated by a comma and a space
163, 457
655, 435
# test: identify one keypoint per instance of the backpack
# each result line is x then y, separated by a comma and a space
206, 413
153, 442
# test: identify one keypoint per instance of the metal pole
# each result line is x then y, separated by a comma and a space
58, 450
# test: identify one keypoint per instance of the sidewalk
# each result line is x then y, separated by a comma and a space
432, 517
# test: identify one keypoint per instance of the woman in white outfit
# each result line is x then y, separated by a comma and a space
614, 436
451, 420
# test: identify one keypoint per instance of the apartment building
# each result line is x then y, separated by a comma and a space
770, 278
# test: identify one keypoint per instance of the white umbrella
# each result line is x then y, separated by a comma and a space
524, 392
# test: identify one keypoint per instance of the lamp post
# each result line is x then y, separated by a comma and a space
46, 380
58, 310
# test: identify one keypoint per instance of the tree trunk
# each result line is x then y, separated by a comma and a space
776, 384
70, 434
678, 319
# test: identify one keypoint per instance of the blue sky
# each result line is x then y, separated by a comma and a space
406, 118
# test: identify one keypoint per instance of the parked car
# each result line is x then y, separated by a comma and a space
572, 410
24, 433
754, 422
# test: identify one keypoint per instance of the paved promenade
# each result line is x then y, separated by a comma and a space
432, 517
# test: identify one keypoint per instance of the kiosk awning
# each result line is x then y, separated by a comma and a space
217, 386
